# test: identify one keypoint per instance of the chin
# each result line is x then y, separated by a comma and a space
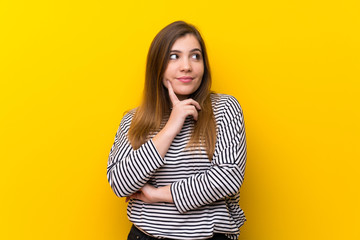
184, 92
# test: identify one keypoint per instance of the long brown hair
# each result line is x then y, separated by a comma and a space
156, 103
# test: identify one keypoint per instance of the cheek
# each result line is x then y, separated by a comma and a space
200, 70
200, 67
166, 75
164, 82
170, 70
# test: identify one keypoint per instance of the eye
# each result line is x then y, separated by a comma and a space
174, 56
196, 56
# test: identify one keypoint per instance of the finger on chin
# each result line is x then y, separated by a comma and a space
173, 98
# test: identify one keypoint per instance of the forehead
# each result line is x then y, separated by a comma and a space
186, 43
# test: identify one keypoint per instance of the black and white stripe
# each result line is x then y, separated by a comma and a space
206, 193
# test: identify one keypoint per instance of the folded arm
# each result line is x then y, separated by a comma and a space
128, 170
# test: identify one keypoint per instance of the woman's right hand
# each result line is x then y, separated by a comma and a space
180, 110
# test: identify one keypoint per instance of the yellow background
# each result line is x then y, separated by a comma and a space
69, 70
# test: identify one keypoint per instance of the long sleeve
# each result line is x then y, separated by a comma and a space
226, 173
128, 169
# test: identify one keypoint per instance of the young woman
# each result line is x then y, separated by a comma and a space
179, 158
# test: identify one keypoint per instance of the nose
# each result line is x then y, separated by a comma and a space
185, 65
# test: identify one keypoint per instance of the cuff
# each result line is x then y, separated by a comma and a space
175, 193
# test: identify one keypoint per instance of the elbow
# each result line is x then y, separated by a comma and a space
116, 187
227, 180
117, 192
122, 187
235, 187
232, 185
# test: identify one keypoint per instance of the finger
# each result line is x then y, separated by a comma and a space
174, 99
191, 111
128, 198
132, 196
193, 102
195, 114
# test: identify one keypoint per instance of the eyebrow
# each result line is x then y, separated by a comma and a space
192, 50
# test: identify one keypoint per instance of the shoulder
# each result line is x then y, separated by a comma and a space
225, 105
126, 120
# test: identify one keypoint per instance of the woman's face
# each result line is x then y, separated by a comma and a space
186, 66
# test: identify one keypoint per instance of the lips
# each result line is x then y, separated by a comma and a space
185, 79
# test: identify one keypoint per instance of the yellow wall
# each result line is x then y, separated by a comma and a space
69, 69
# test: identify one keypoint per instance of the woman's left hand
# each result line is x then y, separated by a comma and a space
151, 194
146, 194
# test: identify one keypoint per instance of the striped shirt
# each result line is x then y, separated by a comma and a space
205, 193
